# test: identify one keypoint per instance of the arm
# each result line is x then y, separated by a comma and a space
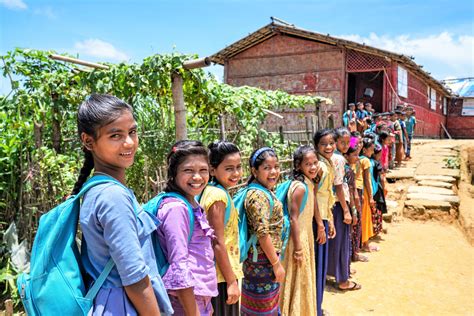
321, 234
267, 247
368, 186
216, 215
342, 201
188, 300
143, 298
296, 201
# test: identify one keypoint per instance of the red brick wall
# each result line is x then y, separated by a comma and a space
459, 126
428, 120
296, 66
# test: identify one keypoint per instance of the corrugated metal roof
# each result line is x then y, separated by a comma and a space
275, 28
463, 87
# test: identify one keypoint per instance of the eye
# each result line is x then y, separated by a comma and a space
115, 136
133, 132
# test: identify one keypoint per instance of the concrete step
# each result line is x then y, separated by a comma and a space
453, 199
402, 173
427, 170
427, 204
435, 178
438, 184
429, 190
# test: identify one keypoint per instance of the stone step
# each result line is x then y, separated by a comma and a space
438, 184
427, 204
426, 171
435, 178
429, 190
453, 199
402, 173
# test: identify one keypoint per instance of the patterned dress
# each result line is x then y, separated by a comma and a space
299, 289
260, 293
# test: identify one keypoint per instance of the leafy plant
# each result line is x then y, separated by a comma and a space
453, 162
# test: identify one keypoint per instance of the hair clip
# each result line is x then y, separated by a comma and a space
173, 150
258, 153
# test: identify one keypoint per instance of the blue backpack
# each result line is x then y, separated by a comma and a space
152, 208
246, 241
228, 208
55, 285
282, 195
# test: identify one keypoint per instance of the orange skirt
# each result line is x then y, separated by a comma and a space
366, 220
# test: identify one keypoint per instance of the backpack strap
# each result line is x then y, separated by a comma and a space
190, 210
228, 208
253, 239
91, 294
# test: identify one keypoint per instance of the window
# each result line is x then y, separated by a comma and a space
433, 99
445, 106
468, 107
402, 82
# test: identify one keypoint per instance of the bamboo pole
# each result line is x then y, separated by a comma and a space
222, 127
179, 108
197, 63
78, 61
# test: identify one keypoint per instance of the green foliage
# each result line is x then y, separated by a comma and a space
40, 153
453, 162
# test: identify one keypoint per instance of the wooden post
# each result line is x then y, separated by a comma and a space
282, 136
8, 308
222, 126
179, 108
308, 128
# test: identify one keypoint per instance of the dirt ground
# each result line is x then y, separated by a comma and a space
423, 268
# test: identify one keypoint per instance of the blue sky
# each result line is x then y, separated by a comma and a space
439, 33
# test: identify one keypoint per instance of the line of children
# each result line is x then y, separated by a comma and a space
340, 182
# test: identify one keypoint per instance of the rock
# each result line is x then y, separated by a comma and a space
438, 184
435, 178
426, 170
433, 197
391, 204
430, 190
402, 173
428, 204
388, 218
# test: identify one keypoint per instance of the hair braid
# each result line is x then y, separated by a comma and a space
86, 169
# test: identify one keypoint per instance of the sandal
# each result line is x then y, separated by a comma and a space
355, 286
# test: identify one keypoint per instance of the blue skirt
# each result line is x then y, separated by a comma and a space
340, 247
321, 257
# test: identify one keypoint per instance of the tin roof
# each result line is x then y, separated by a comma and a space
275, 28
463, 87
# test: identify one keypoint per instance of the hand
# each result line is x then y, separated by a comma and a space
332, 230
347, 217
385, 192
279, 272
372, 202
354, 220
233, 292
298, 256
321, 237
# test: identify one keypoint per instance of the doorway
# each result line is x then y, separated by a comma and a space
366, 87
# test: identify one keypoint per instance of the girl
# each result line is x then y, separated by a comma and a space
191, 277
339, 247
261, 283
226, 171
368, 203
384, 141
299, 291
378, 190
324, 141
112, 224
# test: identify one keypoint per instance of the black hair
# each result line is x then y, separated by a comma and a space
366, 143
255, 162
377, 149
351, 150
370, 135
322, 133
383, 135
298, 156
341, 132
179, 152
351, 105
95, 112
355, 133
218, 150
369, 121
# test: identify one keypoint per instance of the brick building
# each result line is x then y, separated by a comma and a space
282, 56
461, 108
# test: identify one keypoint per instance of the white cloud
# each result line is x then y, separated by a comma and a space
14, 4
98, 48
442, 54
46, 11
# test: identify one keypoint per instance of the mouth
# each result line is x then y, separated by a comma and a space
127, 154
233, 180
196, 186
272, 180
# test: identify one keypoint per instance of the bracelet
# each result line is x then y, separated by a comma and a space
276, 261
298, 251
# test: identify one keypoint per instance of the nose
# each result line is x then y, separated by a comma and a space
129, 141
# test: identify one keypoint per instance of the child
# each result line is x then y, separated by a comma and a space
324, 141
226, 171
401, 119
410, 127
361, 115
378, 188
299, 289
349, 117
368, 203
398, 138
261, 283
340, 246
112, 224
191, 277
384, 141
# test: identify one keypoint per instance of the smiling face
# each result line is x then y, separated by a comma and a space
115, 146
192, 176
343, 143
368, 151
229, 171
326, 146
353, 157
309, 165
268, 172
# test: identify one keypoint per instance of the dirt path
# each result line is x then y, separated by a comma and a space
422, 268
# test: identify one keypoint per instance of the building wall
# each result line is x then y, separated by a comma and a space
428, 120
296, 66
459, 126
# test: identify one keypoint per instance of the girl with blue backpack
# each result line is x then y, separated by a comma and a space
226, 172
184, 233
263, 271
325, 144
299, 288
116, 232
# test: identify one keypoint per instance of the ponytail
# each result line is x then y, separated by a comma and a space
85, 171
